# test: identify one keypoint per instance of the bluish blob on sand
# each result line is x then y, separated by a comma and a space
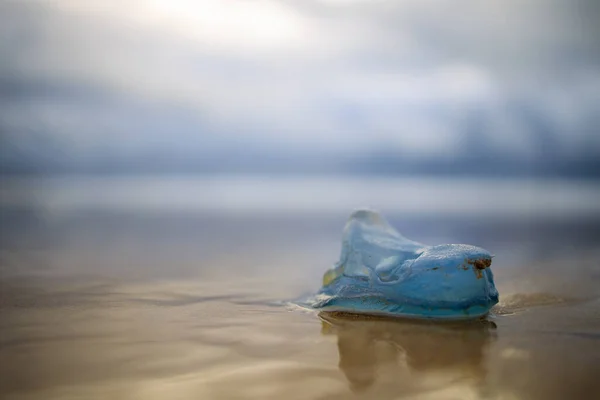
382, 272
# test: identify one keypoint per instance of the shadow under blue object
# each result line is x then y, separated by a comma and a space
383, 273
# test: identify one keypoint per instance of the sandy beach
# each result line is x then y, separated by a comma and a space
178, 304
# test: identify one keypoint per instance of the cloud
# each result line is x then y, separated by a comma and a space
338, 76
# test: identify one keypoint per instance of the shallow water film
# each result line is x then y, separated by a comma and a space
142, 298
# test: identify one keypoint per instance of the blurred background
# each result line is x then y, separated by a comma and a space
163, 159
344, 87
427, 110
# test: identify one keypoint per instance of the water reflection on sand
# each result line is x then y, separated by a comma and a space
371, 348
215, 340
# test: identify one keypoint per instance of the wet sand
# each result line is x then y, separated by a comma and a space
173, 305
186, 340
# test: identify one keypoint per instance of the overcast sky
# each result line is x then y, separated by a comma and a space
125, 76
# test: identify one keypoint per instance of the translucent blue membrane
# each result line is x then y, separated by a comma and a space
382, 272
